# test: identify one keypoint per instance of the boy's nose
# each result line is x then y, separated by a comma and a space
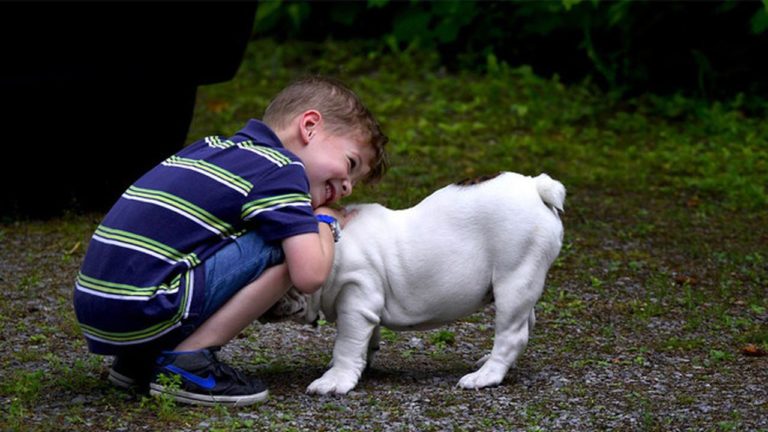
346, 188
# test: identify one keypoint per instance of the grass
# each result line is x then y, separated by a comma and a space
662, 277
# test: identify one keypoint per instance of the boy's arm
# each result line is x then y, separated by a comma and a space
310, 256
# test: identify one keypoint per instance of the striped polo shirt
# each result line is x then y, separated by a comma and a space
142, 277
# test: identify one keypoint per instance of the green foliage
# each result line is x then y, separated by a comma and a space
434, 23
163, 403
441, 338
626, 46
445, 127
22, 390
759, 21
388, 335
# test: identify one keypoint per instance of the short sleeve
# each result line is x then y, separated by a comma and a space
280, 206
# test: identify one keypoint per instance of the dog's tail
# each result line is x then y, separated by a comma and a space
551, 191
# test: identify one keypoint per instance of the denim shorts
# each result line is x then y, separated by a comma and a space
233, 267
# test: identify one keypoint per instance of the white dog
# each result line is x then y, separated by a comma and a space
467, 244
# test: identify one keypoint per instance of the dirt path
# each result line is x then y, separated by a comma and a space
643, 326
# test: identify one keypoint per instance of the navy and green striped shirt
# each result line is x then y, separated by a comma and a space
141, 277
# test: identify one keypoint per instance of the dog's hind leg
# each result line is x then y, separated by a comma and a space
531, 324
515, 295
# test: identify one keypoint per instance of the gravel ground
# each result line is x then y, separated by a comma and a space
587, 391
608, 353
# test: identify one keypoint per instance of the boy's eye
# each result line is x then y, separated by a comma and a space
352, 164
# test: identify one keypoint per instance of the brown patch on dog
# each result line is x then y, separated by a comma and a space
477, 180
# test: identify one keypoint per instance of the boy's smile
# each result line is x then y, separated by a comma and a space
334, 160
330, 193
334, 165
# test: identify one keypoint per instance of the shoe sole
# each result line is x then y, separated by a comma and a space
207, 400
122, 381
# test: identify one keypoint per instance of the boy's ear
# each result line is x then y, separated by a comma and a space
309, 124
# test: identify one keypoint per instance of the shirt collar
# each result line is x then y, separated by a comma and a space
258, 131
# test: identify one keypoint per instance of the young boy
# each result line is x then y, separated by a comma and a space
205, 242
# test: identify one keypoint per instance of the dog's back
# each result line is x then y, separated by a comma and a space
441, 254
514, 212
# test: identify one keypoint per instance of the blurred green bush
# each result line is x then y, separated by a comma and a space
704, 49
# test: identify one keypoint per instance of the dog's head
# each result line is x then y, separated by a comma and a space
293, 306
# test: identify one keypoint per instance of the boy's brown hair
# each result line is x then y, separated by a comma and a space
342, 111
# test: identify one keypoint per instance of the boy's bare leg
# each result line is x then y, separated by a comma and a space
240, 311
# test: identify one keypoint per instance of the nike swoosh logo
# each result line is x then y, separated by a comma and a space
207, 383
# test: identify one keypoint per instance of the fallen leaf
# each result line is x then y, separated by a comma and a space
693, 202
685, 280
753, 350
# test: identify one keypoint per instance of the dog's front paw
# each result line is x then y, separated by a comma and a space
478, 380
489, 375
333, 381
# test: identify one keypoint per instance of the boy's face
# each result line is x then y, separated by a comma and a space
334, 165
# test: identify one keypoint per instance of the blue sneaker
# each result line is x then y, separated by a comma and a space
204, 380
